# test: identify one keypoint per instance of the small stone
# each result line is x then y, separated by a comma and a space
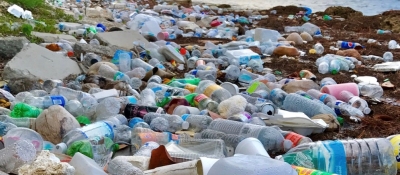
296, 38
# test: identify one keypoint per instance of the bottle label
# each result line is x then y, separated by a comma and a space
395, 141
306, 171
199, 98
118, 75
98, 129
243, 60
253, 87
210, 90
333, 152
337, 109
294, 137
58, 100
323, 97
190, 87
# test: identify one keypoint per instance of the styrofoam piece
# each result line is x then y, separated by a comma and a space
85, 166
207, 163
106, 93
232, 88
387, 67
251, 146
243, 53
297, 122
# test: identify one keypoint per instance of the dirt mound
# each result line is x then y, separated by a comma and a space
287, 10
391, 21
345, 12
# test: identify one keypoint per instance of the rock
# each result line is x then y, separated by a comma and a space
10, 46
122, 39
46, 163
35, 61
53, 123
345, 12
296, 38
303, 85
22, 84
103, 51
286, 50
306, 37
387, 85
330, 120
350, 53
52, 38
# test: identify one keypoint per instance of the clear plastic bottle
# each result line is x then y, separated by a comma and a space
47, 101
297, 103
137, 122
39, 93
319, 48
342, 108
20, 122
122, 167
271, 138
232, 73
355, 101
124, 62
231, 140
74, 107
140, 136
247, 77
296, 139
146, 149
323, 68
205, 74
196, 123
352, 157
172, 123
156, 63
196, 148
196, 52
161, 89
387, 57
277, 96
147, 98
327, 81
212, 90
327, 99
371, 90
334, 67
17, 154
68, 93
107, 107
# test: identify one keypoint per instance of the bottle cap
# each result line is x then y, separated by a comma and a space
185, 125
366, 110
61, 148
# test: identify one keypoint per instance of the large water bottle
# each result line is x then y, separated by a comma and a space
297, 103
270, 137
124, 62
68, 93
212, 90
355, 101
352, 157
46, 102
328, 100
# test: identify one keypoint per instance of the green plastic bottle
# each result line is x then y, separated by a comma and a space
22, 110
189, 98
86, 147
192, 81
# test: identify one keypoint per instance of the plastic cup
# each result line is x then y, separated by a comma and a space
181, 109
251, 146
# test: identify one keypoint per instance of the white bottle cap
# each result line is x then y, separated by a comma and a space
61, 148
185, 125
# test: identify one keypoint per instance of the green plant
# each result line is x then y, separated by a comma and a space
28, 4
27, 29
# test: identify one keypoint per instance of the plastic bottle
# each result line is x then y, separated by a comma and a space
371, 90
297, 103
212, 90
146, 149
121, 167
327, 81
203, 102
277, 96
138, 122
68, 93
342, 108
196, 148
358, 156
124, 62
327, 99
147, 98
140, 136
47, 101
296, 139
346, 45
107, 107
232, 73
319, 48
137, 62
171, 123
205, 74
161, 89
271, 138
334, 67
231, 140
20, 122
196, 123
246, 77
355, 101
108, 72
16, 155
387, 57
156, 63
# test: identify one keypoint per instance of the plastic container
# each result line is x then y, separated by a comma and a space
297, 103
355, 101
358, 156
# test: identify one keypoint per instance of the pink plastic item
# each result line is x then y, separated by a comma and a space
163, 35
215, 23
335, 89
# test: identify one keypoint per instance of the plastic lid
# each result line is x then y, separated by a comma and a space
340, 120
185, 116
367, 110
334, 72
185, 125
61, 147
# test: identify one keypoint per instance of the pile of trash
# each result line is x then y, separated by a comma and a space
155, 107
